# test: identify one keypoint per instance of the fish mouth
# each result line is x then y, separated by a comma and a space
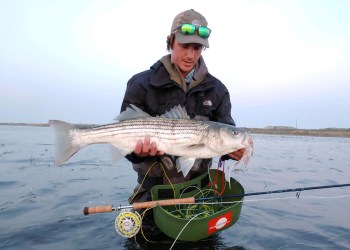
247, 142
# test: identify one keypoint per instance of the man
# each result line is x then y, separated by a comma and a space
179, 78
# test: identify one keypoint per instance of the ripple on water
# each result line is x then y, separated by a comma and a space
8, 184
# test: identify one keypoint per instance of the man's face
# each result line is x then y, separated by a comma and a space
185, 56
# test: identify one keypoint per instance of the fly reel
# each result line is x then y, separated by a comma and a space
128, 223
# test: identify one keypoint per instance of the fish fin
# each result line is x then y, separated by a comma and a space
131, 113
64, 146
184, 164
117, 153
177, 112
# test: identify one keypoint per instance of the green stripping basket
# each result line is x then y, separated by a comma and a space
193, 222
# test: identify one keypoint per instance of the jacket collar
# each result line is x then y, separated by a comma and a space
165, 72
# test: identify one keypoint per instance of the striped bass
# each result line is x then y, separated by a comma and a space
174, 133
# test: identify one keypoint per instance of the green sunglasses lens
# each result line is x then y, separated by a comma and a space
203, 32
188, 29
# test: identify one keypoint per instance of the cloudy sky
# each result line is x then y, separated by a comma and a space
286, 63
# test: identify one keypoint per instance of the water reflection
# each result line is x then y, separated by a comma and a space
162, 243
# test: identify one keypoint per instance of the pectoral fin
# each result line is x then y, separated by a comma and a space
184, 164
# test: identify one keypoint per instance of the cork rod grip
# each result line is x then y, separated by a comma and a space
94, 210
139, 205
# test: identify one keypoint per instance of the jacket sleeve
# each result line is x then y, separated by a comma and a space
223, 111
223, 114
135, 94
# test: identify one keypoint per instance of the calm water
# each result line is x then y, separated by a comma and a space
41, 205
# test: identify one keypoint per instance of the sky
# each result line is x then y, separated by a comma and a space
285, 63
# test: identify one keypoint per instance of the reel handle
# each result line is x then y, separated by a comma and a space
95, 210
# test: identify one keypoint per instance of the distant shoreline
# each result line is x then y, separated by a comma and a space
272, 130
328, 132
24, 124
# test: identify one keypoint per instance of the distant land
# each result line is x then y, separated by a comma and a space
280, 130
271, 130
24, 124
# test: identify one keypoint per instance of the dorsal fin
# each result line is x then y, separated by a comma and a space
177, 112
131, 113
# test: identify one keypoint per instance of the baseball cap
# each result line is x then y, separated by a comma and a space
191, 17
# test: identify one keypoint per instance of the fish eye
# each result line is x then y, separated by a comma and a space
235, 132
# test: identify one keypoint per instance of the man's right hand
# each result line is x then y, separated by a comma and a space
145, 148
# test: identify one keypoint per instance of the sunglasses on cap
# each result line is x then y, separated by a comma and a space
189, 29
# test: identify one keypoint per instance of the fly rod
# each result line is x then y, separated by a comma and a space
191, 200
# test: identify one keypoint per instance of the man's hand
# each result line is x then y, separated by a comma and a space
145, 148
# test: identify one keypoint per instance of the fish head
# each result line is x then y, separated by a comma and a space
245, 142
224, 139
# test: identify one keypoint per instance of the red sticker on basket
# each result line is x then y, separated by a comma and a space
219, 222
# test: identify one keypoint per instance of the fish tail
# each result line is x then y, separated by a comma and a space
65, 149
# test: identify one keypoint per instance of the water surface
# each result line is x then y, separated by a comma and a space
41, 205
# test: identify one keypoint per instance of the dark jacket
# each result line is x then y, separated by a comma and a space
160, 88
